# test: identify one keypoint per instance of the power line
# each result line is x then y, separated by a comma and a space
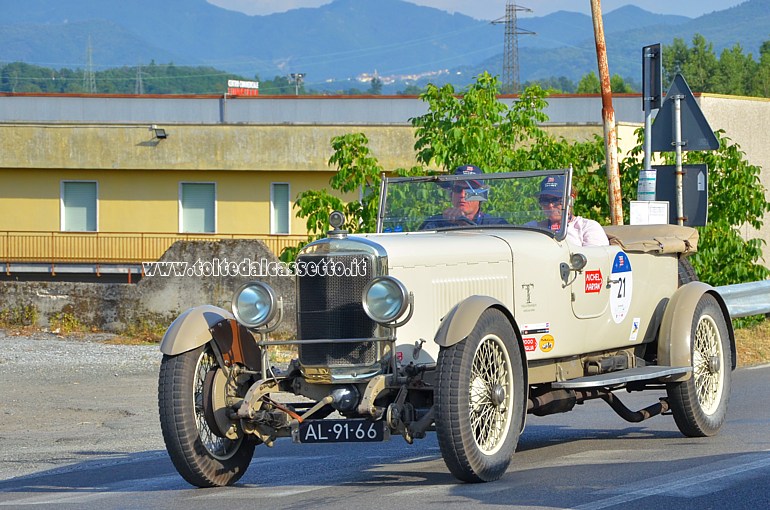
511, 78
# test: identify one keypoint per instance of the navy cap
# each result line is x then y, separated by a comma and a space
468, 170
553, 185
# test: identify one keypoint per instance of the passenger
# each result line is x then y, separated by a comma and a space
580, 231
466, 197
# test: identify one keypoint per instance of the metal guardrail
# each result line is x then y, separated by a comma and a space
745, 299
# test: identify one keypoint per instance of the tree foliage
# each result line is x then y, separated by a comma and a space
732, 72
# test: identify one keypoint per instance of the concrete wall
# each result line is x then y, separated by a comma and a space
157, 299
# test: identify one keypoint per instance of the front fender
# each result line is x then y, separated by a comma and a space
675, 340
460, 320
191, 329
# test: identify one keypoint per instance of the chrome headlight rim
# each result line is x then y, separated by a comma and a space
269, 298
398, 290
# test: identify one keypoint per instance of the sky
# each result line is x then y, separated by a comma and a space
494, 9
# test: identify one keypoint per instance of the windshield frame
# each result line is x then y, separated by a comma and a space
559, 235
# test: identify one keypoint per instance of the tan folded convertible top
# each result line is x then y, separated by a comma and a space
653, 238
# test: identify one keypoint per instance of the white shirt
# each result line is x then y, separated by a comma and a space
585, 232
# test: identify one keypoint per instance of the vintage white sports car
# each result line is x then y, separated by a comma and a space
448, 324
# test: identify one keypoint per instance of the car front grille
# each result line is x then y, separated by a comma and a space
329, 306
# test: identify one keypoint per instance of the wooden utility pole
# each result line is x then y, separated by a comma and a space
608, 117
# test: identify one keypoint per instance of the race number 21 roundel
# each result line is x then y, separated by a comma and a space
621, 287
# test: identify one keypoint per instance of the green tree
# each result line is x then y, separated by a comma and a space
589, 84
736, 72
701, 66
411, 90
619, 85
375, 87
761, 79
674, 59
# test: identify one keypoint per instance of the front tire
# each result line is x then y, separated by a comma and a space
204, 457
480, 400
699, 405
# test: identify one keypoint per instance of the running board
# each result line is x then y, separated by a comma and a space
622, 376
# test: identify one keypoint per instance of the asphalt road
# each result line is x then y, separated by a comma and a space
88, 437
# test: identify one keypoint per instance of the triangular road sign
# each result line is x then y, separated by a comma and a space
697, 135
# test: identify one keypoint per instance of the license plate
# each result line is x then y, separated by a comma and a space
341, 431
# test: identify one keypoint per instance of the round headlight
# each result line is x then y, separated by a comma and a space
385, 299
254, 304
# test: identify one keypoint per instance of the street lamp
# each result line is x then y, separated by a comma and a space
297, 78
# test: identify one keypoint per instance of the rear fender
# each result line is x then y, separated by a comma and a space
675, 340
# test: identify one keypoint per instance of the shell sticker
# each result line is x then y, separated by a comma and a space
546, 343
621, 287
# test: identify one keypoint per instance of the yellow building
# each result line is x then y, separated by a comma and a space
114, 180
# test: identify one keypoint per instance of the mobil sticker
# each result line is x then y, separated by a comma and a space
593, 282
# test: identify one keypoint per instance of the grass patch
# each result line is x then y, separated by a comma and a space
753, 344
23, 316
146, 331
66, 324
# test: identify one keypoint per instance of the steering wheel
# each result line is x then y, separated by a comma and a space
463, 219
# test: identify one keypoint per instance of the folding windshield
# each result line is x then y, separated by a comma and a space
504, 200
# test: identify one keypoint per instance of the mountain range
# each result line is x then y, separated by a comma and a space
347, 38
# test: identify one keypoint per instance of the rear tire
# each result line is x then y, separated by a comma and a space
699, 405
201, 455
480, 400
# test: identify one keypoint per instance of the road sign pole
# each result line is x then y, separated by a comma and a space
647, 135
652, 92
677, 113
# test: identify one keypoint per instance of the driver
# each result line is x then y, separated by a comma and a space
466, 197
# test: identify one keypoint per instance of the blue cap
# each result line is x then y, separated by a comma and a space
553, 185
468, 170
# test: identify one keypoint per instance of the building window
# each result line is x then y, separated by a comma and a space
197, 207
78, 206
279, 208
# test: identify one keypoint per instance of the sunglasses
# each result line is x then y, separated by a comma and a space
546, 200
459, 189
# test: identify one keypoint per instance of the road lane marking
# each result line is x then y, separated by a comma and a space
676, 486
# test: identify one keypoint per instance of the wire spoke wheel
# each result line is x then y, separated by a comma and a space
491, 391
708, 364
480, 400
202, 455
699, 405
220, 448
